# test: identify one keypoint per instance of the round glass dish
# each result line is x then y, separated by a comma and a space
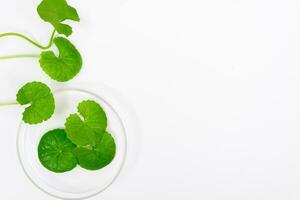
78, 183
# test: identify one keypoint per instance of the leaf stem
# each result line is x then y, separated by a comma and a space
29, 40
8, 104
19, 56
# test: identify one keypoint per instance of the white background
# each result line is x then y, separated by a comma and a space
214, 83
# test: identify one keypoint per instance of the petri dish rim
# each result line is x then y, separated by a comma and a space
115, 177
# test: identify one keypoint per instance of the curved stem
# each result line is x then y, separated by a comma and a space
8, 104
19, 56
29, 40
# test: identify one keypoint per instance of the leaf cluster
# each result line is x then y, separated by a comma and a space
68, 64
92, 145
62, 67
85, 140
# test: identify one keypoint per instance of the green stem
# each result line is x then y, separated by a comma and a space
8, 104
19, 56
29, 40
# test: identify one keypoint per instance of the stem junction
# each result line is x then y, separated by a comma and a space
12, 34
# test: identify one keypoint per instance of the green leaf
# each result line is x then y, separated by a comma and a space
64, 67
41, 99
94, 158
55, 151
88, 130
56, 12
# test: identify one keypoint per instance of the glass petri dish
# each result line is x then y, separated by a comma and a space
78, 183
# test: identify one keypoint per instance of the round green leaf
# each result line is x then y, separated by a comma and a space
94, 158
41, 99
89, 126
64, 67
55, 151
57, 11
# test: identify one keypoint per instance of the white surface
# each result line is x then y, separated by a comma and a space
215, 85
